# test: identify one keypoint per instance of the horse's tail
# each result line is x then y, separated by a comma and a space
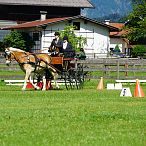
54, 71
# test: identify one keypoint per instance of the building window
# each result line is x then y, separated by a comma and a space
36, 36
77, 25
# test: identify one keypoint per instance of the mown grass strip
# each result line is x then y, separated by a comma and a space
77, 117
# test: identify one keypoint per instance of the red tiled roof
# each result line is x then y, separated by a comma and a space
38, 23
120, 33
119, 26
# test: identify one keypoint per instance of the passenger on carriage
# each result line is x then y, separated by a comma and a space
67, 49
81, 55
55, 44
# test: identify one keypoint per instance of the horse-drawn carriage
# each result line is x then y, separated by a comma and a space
46, 67
70, 71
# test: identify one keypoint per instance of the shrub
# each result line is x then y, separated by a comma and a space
138, 51
20, 40
1, 46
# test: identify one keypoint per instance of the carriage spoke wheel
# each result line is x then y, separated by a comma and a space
70, 81
67, 80
73, 80
79, 76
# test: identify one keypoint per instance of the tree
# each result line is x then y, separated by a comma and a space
76, 41
20, 40
137, 1
136, 25
117, 50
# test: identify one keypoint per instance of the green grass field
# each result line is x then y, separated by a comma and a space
71, 118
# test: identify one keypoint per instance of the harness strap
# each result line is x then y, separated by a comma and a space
37, 61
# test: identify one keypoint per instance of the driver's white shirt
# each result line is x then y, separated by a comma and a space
65, 45
56, 41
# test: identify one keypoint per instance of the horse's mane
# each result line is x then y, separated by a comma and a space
15, 49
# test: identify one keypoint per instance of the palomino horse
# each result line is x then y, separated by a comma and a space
30, 62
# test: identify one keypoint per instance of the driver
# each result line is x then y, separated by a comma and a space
56, 43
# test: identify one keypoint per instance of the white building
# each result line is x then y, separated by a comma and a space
96, 33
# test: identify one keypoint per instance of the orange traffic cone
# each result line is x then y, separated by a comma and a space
138, 92
100, 84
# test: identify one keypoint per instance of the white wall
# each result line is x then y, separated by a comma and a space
48, 34
98, 42
97, 37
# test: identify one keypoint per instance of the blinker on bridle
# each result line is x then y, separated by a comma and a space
7, 52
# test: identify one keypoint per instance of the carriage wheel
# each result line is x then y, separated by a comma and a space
73, 80
70, 81
79, 76
67, 80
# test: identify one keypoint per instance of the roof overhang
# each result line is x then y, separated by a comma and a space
40, 23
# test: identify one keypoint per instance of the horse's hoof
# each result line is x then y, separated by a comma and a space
43, 89
57, 87
37, 88
23, 89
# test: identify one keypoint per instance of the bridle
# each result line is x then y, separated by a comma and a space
8, 55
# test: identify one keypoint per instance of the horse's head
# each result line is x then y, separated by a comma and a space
8, 55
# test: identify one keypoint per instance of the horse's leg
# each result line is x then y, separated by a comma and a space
34, 85
25, 79
55, 77
44, 83
54, 74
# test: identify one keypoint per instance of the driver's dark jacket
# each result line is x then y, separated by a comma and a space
57, 45
68, 51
